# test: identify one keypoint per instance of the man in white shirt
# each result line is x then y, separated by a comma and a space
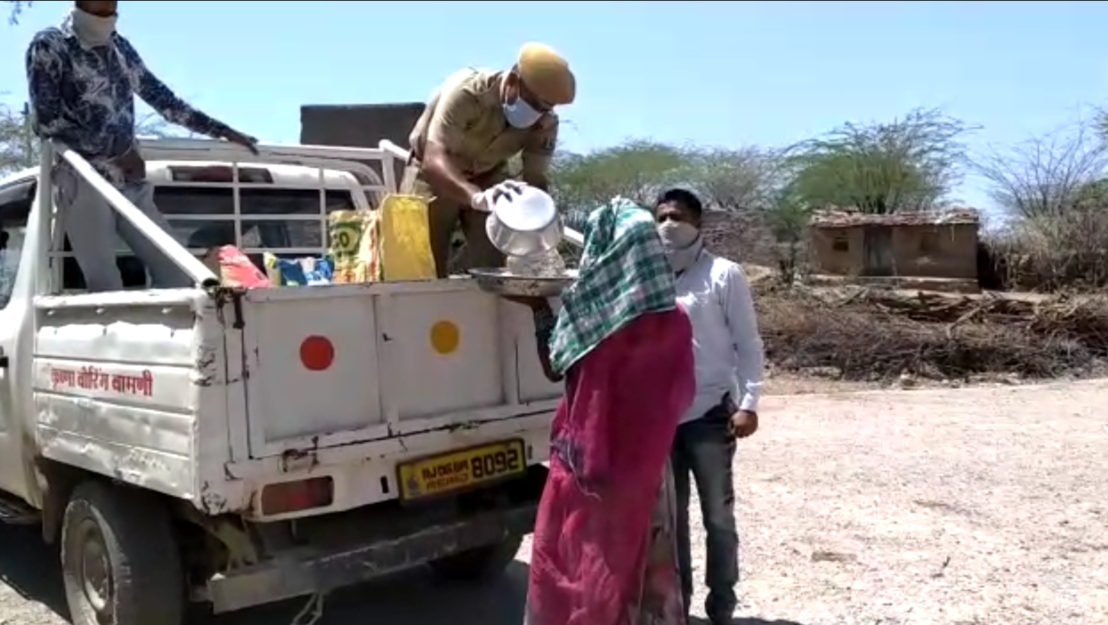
729, 359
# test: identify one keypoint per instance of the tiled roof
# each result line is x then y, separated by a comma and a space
843, 218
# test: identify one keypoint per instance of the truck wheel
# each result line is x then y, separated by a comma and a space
480, 563
119, 559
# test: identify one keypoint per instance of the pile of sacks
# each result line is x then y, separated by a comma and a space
391, 244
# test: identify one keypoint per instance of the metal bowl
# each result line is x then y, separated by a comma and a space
503, 282
524, 223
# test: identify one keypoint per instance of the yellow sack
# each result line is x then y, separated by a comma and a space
406, 239
355, 249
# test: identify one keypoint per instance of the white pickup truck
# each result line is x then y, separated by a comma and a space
238, 447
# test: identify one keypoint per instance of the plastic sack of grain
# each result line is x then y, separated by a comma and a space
234, 268
355, 249
307, 271
405, 239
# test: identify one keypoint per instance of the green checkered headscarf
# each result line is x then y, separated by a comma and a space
624, 273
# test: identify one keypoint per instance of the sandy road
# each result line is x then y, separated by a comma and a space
956, 507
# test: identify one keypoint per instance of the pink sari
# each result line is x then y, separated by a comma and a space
604, 550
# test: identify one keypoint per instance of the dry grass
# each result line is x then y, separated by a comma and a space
872, 335
1052, 252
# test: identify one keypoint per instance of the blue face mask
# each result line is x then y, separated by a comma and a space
520, 114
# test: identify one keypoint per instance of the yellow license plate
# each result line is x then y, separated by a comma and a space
460, 469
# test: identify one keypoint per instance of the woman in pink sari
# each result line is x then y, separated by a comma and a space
604, 549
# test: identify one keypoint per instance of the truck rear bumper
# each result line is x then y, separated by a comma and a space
289, 577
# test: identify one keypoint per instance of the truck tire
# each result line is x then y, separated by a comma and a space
120, 561
480, 563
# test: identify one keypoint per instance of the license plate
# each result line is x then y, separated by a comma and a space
460, 469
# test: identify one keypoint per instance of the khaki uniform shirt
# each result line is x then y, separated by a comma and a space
465, 116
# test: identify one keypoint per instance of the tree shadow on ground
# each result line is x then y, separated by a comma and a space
31, 569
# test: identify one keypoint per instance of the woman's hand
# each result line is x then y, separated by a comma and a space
544, 323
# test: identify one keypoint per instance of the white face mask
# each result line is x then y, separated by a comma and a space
520, 114
682, 243
92, 29
677, 234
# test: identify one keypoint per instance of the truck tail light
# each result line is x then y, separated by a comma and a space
285, 497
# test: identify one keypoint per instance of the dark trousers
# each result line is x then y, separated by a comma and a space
444, 217
705, 449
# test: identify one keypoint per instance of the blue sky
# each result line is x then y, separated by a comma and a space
722, 73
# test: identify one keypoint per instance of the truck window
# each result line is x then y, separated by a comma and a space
15, 206
131, 269
284, 221
272, 219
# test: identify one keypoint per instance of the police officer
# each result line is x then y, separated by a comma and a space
473, 124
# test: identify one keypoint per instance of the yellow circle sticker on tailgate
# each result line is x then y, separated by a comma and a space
445, 337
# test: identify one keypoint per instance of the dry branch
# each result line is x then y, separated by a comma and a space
877, 334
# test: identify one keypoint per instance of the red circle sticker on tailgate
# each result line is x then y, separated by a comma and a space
317, 353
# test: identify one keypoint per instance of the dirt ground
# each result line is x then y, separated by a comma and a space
974, 506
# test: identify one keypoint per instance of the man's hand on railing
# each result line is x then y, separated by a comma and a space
147, 228
246, 141
131, 166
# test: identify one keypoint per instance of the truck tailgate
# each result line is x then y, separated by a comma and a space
334, 365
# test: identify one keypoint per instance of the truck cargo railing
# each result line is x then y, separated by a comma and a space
361, 163
296, 232
196, 270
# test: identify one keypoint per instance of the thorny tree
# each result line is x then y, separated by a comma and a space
907, 164
1048, 175
19, 145
638, 170
738, 185
1054, 188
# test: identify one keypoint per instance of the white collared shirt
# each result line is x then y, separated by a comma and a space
727, 347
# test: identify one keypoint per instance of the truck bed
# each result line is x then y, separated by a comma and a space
211, 395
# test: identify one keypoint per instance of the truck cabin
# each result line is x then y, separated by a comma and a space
258, 207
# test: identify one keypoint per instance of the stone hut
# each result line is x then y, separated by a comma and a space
936, 244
